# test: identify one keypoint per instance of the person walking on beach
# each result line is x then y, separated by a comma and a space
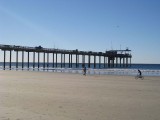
140, 73
84, 71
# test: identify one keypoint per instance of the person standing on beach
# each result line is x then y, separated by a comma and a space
140, 73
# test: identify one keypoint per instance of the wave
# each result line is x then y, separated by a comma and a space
91, 71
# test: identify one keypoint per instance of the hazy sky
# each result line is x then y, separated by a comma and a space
89, 25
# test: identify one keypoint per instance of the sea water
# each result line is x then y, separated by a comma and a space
146, 69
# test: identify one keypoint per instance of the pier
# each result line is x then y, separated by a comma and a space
109, 59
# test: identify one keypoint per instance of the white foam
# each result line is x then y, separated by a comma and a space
112, 71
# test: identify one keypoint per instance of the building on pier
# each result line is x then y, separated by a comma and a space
111, 58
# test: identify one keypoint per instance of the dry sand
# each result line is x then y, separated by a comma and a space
62, 96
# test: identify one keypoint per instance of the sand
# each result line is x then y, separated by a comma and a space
26, 95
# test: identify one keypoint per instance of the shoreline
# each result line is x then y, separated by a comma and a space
64, 96
90, 71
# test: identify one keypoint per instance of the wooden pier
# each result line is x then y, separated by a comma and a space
111, 58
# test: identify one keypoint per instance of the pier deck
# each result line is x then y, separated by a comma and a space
111, 57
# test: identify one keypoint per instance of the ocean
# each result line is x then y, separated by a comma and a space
147, 69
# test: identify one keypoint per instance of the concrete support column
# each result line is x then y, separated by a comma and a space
123, 62
28, 59
71, 60
16, 59
22, 59
61, 59
94, 61
89, 61
33, 59
47, 60
112, 63
38, 59
64, 60
76, 60
53, 61
99, 61
56, 60
109, 62
4, 64
10, 60
104, 62
83, 60
44, 60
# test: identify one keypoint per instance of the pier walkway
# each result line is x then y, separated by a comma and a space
111, 58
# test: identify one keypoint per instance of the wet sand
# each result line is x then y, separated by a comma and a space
28, 95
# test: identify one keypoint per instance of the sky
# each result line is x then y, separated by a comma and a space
86, 25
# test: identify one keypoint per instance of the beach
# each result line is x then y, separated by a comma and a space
29, 95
